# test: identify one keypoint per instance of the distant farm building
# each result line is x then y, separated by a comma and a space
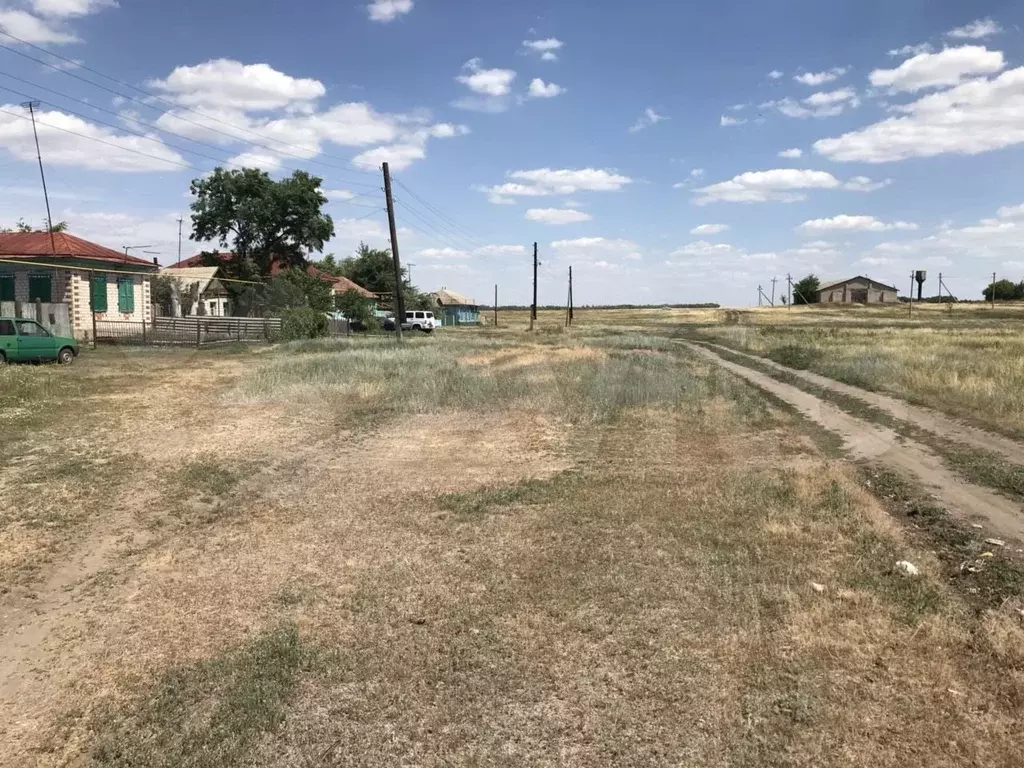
857, 290
455, 309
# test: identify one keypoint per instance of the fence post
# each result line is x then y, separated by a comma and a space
238, 327
266, 330
93, 329
199, 338
143, 330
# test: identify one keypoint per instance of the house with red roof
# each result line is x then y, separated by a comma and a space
60, 268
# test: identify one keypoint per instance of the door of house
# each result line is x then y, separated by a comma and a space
859, 296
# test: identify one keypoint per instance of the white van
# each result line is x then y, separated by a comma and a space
420, 321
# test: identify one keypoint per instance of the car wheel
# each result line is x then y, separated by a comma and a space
416, 328
66, 356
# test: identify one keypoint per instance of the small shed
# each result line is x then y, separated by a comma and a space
455, 309
857, 290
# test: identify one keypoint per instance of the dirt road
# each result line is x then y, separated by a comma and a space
870, 441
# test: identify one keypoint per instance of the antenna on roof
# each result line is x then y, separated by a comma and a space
31, 106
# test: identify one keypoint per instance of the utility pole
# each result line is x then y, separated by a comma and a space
911, 294
399, 301
789, 289
568, 302
533, 307
31, 107
993, 290
759, 295
773, 291
572, 309
495, 305
408, 268
179, 239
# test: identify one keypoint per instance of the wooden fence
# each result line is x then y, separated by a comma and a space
187, 331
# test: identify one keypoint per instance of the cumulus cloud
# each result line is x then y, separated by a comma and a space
557, 216
257, 159
546, 49
791, 154
697, 173
33, 29
709, 229
545, 182
96, 148
976, 30
597, 250
776, 74
397, 156
819, 105
442, 253
646, 120
974, 117
501, 250
864, 184
727, 121
912, 50
487, 82
230, 84
846, 223
541, 90
786, 185
338, 195
820, 78
388, 10
945, 68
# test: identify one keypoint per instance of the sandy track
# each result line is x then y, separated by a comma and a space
865, 440
926, 418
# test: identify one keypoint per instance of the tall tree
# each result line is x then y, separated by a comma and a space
374, 270
806, 291
1006, 290
260, 220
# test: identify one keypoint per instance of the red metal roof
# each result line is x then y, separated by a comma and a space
341, 284
38, 245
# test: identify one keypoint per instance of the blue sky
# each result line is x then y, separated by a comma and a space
670, 152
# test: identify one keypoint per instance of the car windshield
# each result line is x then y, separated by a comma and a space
31, 328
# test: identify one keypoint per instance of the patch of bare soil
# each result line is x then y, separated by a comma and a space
872, 442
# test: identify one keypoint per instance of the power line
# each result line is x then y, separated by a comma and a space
172, 104
440, 214
438, 235
139, 122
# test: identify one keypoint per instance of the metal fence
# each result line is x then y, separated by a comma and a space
187, 331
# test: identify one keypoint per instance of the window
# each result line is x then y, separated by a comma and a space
98, 293
125, 295
6, 287
419, 315
30, 328
40, 287
430, 315
6, 328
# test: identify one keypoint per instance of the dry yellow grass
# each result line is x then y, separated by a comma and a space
610, 564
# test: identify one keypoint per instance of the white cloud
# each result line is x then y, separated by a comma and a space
791, 154
976, 30
912, 50
545, 182
501, 250
864, 184
775, 74
646, 120
785, 185
546, 48
338, 195
541, 90
388, 10
597, 249
727, 121
845, 223
32, 29
487, 82
820, 78
819, 105
397, 156
257, 159
697, 173
83, 151
442, 253
557, 216
230, 84
945, 68
447, 130
974, 117
709, 229
65, 9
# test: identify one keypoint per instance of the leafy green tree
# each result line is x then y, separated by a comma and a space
316, 293
1005, 290
806, 291
374, 270
261, 220
23, 226
161, 292
355, 307
330, 265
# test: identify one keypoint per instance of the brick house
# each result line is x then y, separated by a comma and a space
64, 269
857, 290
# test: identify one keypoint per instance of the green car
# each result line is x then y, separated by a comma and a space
27, 341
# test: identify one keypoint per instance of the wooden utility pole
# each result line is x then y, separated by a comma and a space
759, 295
533, 307
572, 313
993, 290
399, 301
773, 291
789, 289
31, 107
495, 305
911, 294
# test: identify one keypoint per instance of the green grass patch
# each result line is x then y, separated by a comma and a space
525, 493
206, 715
207, 475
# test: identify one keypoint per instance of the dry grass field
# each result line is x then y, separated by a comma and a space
578, 548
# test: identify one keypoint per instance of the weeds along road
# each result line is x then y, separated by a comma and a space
865, 440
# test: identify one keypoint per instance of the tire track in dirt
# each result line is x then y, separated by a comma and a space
865, 440
926, 418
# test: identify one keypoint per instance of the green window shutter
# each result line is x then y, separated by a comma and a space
6, 287
126, 295
40, 287
98, 293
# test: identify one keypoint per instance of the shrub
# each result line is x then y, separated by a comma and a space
303, 323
